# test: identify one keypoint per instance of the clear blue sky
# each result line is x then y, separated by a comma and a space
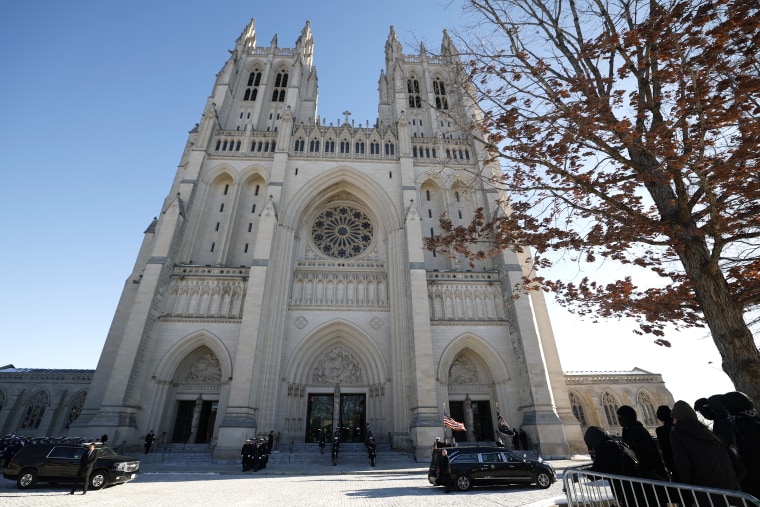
98, 97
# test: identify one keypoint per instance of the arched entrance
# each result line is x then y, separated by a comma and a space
469, 371
197, 397
336, 383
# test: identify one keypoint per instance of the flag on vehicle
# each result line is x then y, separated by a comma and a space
451, 423
503, 426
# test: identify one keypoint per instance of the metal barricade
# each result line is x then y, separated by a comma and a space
587, 488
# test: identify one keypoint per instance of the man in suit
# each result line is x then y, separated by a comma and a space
86, 463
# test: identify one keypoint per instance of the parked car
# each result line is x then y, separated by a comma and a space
491, 466
60, 463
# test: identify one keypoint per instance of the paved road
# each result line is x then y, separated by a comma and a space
291, 488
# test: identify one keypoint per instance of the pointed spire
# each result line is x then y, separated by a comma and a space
392, 45
447, 46
274, 41
305, 37
248, 37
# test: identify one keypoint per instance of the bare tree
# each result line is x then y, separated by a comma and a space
627, 132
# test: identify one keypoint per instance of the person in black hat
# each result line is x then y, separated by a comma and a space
747, 424
642, 443
663, 437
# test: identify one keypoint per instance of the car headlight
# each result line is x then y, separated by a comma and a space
121, 467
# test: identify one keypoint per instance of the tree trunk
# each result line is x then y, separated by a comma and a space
725, 318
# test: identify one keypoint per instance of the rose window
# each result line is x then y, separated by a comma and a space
342, 231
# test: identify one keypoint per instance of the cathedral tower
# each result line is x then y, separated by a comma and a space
285, 286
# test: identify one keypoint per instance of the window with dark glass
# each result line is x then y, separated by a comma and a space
439, 90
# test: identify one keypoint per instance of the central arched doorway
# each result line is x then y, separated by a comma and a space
336, 383
345, 413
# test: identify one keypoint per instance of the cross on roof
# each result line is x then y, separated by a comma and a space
347, 113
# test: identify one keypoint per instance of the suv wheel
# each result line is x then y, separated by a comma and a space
26, 479
464, 483
98, 479
543, 480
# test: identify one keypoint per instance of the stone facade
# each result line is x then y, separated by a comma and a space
37, 402
596, 396
285, 285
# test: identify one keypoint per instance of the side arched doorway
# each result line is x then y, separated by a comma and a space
196, 397
470, 373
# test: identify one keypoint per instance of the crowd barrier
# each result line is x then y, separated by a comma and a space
587, 488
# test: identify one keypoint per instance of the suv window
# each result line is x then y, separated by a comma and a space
64, 452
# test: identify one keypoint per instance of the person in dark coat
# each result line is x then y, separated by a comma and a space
372, 451
747, 426
700, 458
722, 426
609, 457
638, 438
86, 463
270, 442
149, 438
444, 470
335, 451
516, 441
524, 440
702, 407
245, 454
322, 439
663, 437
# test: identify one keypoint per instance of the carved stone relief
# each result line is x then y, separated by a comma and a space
337, 366
462, 371
205, 370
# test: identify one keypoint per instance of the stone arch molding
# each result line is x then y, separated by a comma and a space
338, 349
338, 181
478, 349
172, 360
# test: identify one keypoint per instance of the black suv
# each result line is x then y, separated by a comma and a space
490, 466
60, 463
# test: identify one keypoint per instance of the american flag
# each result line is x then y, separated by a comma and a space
503, 426
451, 423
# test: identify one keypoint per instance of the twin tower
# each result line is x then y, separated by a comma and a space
285, 285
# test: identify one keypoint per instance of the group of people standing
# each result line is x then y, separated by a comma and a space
724, 457
369, 443
255, 452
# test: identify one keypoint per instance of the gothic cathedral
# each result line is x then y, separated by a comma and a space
285, 286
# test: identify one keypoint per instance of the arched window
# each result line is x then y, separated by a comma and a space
646, 409
299, 145
610, 405
345, 146
577, 405
76, 407
389, 148
314, 146
280, 84
374, 148
35, 410
252, 90
359, 147
413, 88
439, 90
